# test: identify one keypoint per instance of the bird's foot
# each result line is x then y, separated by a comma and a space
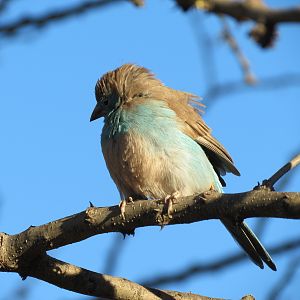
123, 204
169, 201
165, 215
210, 190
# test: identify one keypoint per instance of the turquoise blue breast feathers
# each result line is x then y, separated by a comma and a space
155, 144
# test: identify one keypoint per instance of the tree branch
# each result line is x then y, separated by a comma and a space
216, 265
113, 254
92, 221
214, 92
249, 77
287, 277
86, 282
264, 32
3, 5
25, 253
243, 10
14, 27
21, 252
282, 171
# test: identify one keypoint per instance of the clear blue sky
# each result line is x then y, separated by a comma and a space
51, 161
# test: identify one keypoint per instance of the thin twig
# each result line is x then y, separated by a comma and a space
205, 45
260, 226
3, 5
37, 22
261, 223
281, 172
114, 254
228, 88
216, 265
21, 292
287, 277
249, 77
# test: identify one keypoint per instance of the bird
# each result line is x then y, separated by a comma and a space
157, 146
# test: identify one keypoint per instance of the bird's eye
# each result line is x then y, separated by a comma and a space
105, 102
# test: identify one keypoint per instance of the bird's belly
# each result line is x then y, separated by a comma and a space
151, 166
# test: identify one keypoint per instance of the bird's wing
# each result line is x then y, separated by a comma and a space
188, 110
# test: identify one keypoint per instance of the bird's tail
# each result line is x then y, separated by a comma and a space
246, 238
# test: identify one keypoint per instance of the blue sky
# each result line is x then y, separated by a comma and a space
51, 161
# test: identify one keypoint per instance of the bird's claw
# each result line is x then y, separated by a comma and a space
210, 190
169, 201
165, 215
123, 204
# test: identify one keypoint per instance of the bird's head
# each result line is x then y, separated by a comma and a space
121, 86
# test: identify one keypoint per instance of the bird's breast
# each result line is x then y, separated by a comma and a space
148, 155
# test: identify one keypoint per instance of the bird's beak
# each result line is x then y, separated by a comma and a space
97, 113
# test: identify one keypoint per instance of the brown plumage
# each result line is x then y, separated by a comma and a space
132, 82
